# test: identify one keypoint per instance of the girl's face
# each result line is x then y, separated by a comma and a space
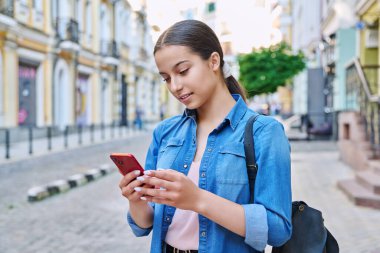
192, 80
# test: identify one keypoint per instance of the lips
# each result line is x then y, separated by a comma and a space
185, 96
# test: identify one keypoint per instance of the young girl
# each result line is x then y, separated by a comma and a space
195, 191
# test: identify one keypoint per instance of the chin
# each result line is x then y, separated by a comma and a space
192, 106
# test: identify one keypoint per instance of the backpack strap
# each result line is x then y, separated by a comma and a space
249, 149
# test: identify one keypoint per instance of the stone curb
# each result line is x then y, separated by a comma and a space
39, 193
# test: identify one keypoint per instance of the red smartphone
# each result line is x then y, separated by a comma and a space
126, 163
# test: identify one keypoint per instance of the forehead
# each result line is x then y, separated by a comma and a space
169, 56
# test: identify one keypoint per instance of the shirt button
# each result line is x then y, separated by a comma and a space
203, 174
168, 219
185, 166
203, 234
209, 150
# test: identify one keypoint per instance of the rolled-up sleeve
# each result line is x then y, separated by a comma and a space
137, 231
256, 235
268, 220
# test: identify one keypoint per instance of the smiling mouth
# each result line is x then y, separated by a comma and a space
183, 97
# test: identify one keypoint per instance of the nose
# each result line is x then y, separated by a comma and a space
176, 85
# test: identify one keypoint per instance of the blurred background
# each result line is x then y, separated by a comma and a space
78, 81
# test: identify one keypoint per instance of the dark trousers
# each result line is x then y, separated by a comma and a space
166, 248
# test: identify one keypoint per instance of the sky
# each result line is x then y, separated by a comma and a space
250, 26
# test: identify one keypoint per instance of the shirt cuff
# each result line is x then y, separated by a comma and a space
256, 226
138, 231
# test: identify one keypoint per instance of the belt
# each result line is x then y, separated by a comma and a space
171, 249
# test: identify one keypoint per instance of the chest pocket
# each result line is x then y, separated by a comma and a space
231, 167
168, 153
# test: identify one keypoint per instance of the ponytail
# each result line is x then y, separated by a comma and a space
235, 88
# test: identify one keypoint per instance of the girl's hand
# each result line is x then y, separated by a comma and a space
128, 184
171, 188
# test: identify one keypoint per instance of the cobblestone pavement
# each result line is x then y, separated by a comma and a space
91, 218
86, 219
316, 169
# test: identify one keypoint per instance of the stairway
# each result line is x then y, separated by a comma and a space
356, 151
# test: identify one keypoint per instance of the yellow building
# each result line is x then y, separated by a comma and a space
369, 13
70, 63
26, 63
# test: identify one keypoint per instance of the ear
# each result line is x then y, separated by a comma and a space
214, 61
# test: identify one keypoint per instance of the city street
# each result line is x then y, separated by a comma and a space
91, 218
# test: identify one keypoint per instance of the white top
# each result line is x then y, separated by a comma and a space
183, 232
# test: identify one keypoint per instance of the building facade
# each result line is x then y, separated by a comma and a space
338, 47
75, 62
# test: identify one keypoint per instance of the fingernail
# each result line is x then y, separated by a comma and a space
160, 169
138, 189
140, 178
162, 189
137, 172
147, 172
142, 198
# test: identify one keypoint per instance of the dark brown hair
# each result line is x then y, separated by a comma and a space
200, 39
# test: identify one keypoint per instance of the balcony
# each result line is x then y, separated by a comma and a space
114, 49
330, 55
68, 34
143, 55
7, 7
109, 50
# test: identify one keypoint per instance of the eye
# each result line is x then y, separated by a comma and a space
166, 79
183, 72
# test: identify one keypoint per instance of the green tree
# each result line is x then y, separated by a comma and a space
263, 70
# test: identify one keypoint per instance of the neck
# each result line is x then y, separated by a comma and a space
216, 109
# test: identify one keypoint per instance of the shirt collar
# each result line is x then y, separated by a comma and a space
233, 117
237, 112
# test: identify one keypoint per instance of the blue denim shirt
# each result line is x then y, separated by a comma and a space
223, 172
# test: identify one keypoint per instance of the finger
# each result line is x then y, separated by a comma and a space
157, 182
157, 200
128, 178
135, 196
153, 192
168, 175
126, 191
129, 189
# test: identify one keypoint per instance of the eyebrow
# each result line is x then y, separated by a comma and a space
178, 63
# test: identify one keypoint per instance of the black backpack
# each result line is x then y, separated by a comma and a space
309, 234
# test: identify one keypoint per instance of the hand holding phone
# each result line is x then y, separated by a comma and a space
126, 163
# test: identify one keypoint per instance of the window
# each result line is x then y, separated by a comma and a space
127, 28
211, 7
54, 11
38, 13
37, 5
1, 85
88, 21
78, 14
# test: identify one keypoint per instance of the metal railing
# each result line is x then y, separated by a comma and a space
109, 48
330, 54
362, 95
67, 29
7, 7
29, 140
371, 73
